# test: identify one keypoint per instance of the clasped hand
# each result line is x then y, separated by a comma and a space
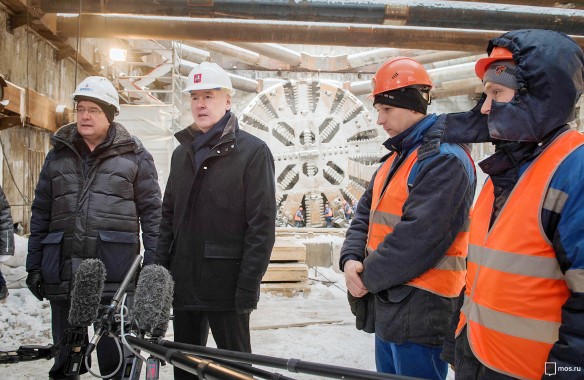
353, 280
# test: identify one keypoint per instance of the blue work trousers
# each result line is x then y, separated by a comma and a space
410, 359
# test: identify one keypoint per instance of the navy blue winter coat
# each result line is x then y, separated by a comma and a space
551, 77
77, 215
441, 190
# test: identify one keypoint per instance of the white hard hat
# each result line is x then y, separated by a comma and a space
208, 76
99, 88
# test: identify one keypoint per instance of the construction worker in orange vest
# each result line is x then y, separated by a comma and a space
523, 309
299, 217
404, 253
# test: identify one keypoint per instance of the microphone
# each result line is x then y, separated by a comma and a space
151, 310
86, 293
153, 300
85, 301
106, 319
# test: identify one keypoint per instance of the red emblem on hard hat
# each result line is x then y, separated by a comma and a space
197, 78
499, 70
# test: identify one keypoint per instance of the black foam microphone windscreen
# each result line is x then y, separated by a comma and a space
153, 300
86, 294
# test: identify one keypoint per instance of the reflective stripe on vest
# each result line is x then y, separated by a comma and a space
515, 288
446, 278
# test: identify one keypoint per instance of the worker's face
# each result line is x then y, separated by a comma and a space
496, 92
209, 106
92, 124
395, 120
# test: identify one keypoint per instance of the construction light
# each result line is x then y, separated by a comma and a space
118, 55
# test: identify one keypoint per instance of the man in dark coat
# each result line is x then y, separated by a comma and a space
218, 219
97, 188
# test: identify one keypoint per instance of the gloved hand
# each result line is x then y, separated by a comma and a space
245, 300
34, 281
363, 308
358, 307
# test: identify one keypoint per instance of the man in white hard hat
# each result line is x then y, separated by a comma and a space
98, 187
218, 218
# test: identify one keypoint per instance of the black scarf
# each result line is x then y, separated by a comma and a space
504, 166
204, 142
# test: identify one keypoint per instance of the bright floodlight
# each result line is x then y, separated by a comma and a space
118, 55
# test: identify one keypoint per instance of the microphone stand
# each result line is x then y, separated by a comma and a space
106, 323
291, 365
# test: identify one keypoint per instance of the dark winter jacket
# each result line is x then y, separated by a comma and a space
6, 227
551, 92
441, 190
218, 226
95, 214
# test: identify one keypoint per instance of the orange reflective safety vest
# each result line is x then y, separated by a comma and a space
446, 278
515, 288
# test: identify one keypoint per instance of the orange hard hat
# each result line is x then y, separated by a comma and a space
398, 73
497, 54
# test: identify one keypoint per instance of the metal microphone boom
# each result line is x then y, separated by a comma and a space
292, 365
105, 322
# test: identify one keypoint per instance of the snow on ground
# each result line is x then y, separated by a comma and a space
315, 327
326, 333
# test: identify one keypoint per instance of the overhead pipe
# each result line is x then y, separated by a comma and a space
536, 3
462, 87
454, 62
361, 87
236, 52
182, 28
185, 67
462, 15
443, 14
440, 56
450, 73
322, 11
371, 57
323, 63
243, 83
186, 52
274, 51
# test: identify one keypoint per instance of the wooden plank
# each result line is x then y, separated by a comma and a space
288, 250
294, 272
13, 94
41, 109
